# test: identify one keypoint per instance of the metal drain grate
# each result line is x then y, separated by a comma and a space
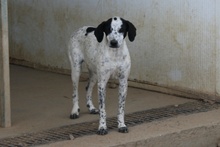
87, 128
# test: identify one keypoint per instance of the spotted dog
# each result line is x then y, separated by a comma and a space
106, 55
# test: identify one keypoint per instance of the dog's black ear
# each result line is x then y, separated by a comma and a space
99, 32
131, 31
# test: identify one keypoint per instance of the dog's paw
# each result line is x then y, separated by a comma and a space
102, 131
94, 111
74, 116
123, 130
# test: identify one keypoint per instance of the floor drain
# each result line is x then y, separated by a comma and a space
88, 128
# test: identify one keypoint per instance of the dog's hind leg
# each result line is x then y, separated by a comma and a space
76, 62
89, 88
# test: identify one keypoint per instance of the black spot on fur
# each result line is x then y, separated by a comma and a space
89, 30
124, 28
81, 61
129, 28
107, 28
87, 87
131, 31
121, 76
104, 27
101, 102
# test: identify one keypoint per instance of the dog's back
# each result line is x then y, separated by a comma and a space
84, 42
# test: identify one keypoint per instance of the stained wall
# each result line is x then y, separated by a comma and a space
177, 44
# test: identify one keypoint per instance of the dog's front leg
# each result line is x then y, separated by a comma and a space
123, 84
102, 130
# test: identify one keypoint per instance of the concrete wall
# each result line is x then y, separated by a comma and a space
5, 99
177, 46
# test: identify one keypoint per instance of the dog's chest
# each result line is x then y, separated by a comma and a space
107, 60
113, 62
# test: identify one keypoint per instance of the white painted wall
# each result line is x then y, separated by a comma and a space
177, 44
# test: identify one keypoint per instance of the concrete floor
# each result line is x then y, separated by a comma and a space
42, 100
195, 130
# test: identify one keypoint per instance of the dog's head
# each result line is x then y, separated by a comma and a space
115, 30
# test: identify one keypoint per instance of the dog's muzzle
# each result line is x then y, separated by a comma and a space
114, 44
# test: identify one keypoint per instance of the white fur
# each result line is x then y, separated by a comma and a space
103, 62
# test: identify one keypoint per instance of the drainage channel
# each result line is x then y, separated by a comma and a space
89, 128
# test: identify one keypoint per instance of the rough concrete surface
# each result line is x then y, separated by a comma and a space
177, 43
42, 100
196, 130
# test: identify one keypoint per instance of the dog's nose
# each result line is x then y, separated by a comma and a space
114, 43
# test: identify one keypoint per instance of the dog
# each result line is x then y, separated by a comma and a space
106, 55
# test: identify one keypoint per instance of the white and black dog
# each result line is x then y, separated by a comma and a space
106, 55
